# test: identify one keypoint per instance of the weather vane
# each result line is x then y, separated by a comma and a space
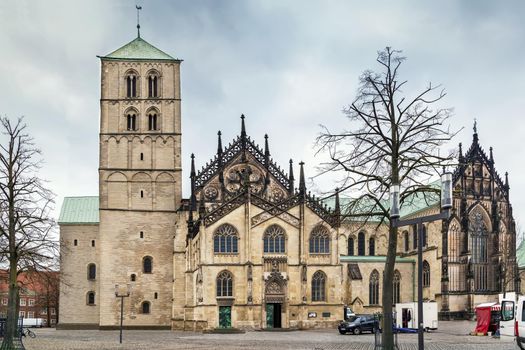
138, 18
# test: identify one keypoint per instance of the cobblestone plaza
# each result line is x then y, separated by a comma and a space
451, 335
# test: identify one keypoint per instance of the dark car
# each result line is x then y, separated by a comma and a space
358, 324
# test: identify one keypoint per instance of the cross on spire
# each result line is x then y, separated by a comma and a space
138, 19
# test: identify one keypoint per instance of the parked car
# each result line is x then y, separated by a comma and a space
358, 324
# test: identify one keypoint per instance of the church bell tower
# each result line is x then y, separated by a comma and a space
139, 182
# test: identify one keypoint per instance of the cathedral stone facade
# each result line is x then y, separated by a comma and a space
251, 248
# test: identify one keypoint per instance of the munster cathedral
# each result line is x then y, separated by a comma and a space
251, 248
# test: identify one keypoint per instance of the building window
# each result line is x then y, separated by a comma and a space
225, 240
414, 236
22, 314
145, 307
90, 300
75, 242
43, 311
319, 286
141, 194
373, 288
320, 241
131, 85
156, 295
147, 264
153, 81
131, 121
397, 287
31, 302
152, 121
371, 246
225, 284
92, 271
361, 244
274, 241
480, 251
53, 311
426, 274
424, 236
30, 314
407, 243
141, 234
4, 301
133, 277
22, 302
351, 246
92, 242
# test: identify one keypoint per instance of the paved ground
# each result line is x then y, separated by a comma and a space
451, 335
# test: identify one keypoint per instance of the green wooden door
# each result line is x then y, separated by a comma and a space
225, 316
269, 315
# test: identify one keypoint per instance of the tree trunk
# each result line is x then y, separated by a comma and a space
388, 278
12, 310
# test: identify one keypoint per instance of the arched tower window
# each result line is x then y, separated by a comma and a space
396, 287
90, 298
373, 288
225, 284
274, 240
92, 272
225, 240
153, 82
147, 264
371, 246
479, 246
426, 274
145, 307
424, 236
361, 244
152, 121
131, 121
414, 237
131, 85
351, 246
320, 241
407, 243
319, 286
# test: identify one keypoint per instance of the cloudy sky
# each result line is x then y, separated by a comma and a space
287, 65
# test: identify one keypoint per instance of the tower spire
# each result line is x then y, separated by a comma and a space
243, 139
266, 150
302, 182
219, 143
475, 128
138, 19
291, 178
243, 127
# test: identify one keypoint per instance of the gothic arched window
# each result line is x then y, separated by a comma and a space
131, 85
373, 288
274, 240
320, 241
371, 246
225, 239
319, 286
424, 236
92, 272
225, 284
147, 264
407, 243
414, 236
426, 274
479, 247
351, 246
145, 307
153, 81
396, 287
361, 244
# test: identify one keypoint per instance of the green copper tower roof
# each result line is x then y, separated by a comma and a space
139, 49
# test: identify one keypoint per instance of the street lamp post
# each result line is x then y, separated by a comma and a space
122, 296
446, 205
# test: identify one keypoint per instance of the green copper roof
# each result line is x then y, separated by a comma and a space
520, 254
139, 49
381, 259
79, 210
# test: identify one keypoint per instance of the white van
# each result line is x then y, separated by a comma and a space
513, 316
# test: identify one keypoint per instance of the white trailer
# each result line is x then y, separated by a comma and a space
407, 316
33, 322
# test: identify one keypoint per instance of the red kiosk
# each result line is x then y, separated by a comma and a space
487, 315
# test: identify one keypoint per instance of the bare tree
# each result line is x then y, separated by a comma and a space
27, 240
391, 139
